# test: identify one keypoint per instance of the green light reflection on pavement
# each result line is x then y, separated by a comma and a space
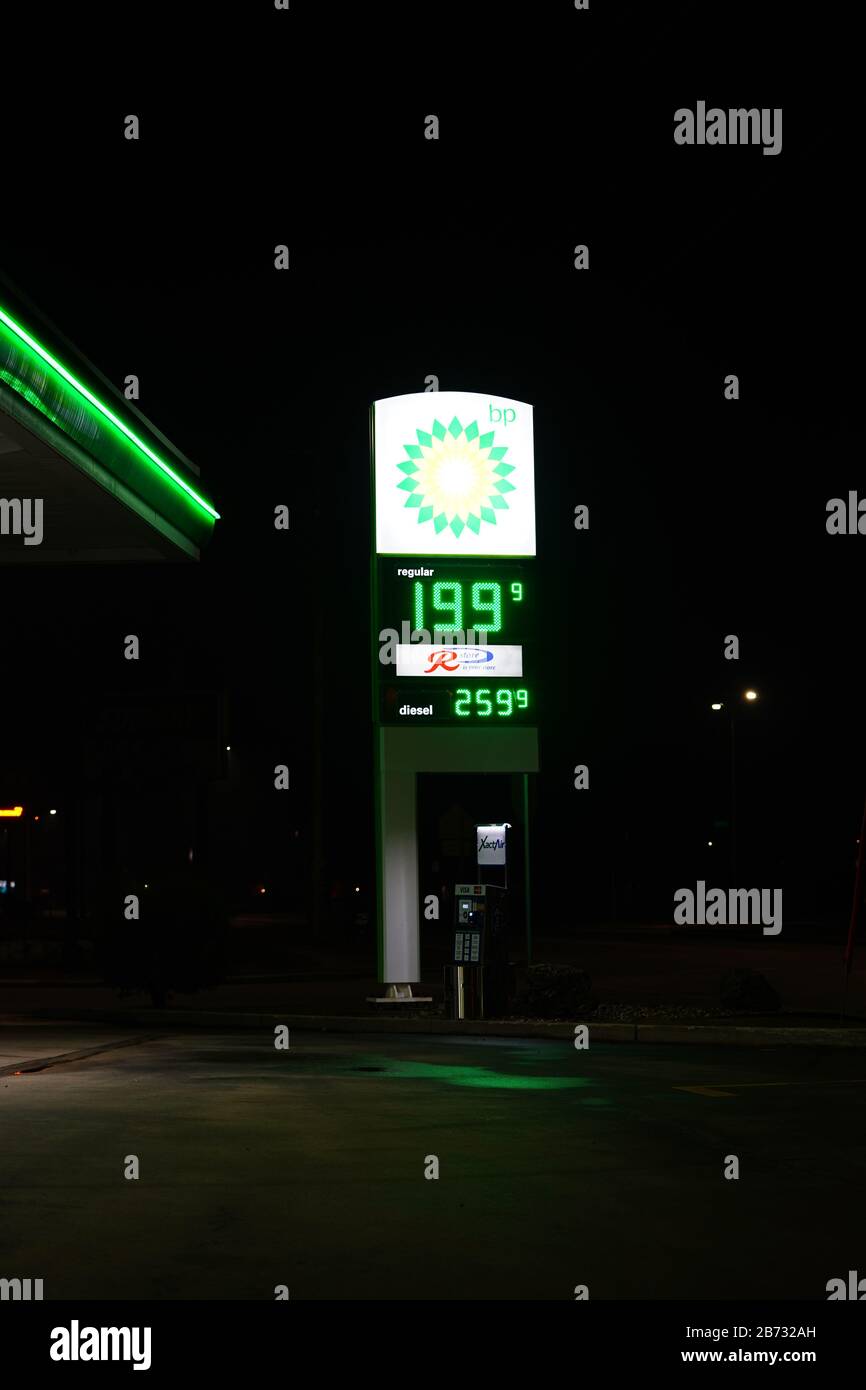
474, 1076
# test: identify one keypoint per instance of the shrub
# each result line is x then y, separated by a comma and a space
555, 991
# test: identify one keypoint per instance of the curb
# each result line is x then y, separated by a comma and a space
732, 1035
45, 1063
286, 977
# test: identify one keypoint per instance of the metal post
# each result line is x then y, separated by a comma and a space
28, 859
858, 897
317, 860
526, 882
733, 806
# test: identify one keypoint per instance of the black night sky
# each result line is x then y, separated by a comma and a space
454, 257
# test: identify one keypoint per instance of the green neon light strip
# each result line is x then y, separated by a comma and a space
104, 410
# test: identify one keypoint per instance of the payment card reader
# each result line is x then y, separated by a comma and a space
470, 911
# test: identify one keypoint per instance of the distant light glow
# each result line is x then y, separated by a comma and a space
52, 813
104, 410
715, 707
12, 811
751, 694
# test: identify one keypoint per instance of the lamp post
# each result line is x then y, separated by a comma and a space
749, 696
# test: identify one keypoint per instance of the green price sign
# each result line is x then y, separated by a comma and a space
477, 597
440, 702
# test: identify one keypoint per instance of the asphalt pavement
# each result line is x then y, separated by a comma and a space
313, 1167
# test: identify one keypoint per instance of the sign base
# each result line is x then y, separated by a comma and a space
400, 994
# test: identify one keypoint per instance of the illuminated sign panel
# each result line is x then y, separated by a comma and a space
454, 499
500, 704
490, 843
493, 598
454, 475
456, 662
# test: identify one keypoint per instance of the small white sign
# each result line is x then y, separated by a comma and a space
490, 842
416, 659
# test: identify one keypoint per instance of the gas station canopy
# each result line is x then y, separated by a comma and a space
113, 489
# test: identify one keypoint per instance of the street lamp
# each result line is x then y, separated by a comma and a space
750, 696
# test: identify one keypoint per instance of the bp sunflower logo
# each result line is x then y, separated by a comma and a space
456, 477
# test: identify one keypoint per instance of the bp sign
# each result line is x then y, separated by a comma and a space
453, 475
454, 601
454, 584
